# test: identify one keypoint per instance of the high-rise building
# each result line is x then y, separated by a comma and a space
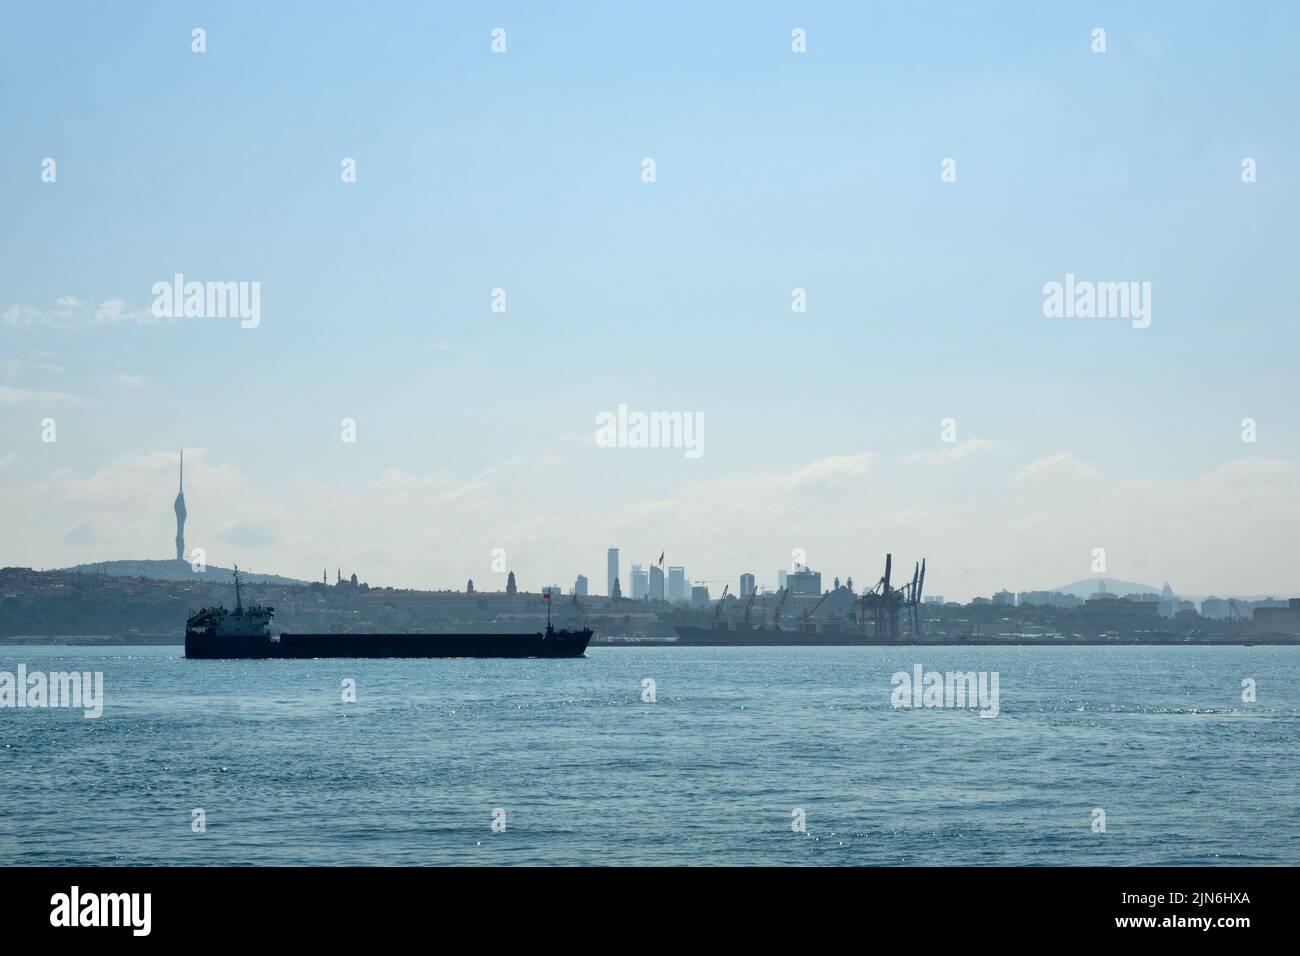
640, 583
580, 586
677, 590
1168, 602
1217, 608
700, 595
179, 508
1278, 620
804, 581
611, 570
780, 578
656, 583
746, 585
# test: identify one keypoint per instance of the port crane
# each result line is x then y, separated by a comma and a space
912, 597
717, 611
804, 624
776, 615
748, 606
883, 602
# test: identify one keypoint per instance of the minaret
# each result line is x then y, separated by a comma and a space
179, 508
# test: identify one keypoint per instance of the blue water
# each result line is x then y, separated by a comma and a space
708, 774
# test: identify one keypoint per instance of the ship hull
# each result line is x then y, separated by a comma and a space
310, 646
708, 637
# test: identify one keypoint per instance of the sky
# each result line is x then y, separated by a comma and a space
774, 170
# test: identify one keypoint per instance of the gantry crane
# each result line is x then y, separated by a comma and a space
807, 615
883, 602
776, 615
748, 606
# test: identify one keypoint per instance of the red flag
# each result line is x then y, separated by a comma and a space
661, 559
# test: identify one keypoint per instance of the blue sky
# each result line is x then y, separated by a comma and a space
775, 170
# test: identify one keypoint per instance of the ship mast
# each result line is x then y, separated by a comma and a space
238, 605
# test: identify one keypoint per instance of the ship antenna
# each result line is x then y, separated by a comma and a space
238, 605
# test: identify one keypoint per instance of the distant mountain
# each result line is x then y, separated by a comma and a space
1090, 586
173, 570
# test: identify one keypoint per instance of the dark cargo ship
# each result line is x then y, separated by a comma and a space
245, 633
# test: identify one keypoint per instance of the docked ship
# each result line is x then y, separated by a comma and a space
245, 633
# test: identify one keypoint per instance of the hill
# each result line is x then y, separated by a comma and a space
1090, 586
173, 570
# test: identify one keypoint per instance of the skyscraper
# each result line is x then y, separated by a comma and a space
640, 587
580, 586
656, 583
746, 585
677, 589
611, 570
805, 581
179, 508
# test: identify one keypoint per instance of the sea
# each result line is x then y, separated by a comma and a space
660, 756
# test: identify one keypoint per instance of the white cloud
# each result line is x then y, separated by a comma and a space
69, 312
139, 479
410, 528
18, 366
97, 528
1063, 465
835, 471
952, 452
570, 438
11, 397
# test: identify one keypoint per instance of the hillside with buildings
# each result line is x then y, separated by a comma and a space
87, 607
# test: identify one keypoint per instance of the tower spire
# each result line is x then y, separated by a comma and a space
179, 507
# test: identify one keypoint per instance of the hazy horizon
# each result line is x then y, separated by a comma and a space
475, 171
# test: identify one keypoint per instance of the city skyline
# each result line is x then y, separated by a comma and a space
242, 544
922, 375
800, 578
776, 172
